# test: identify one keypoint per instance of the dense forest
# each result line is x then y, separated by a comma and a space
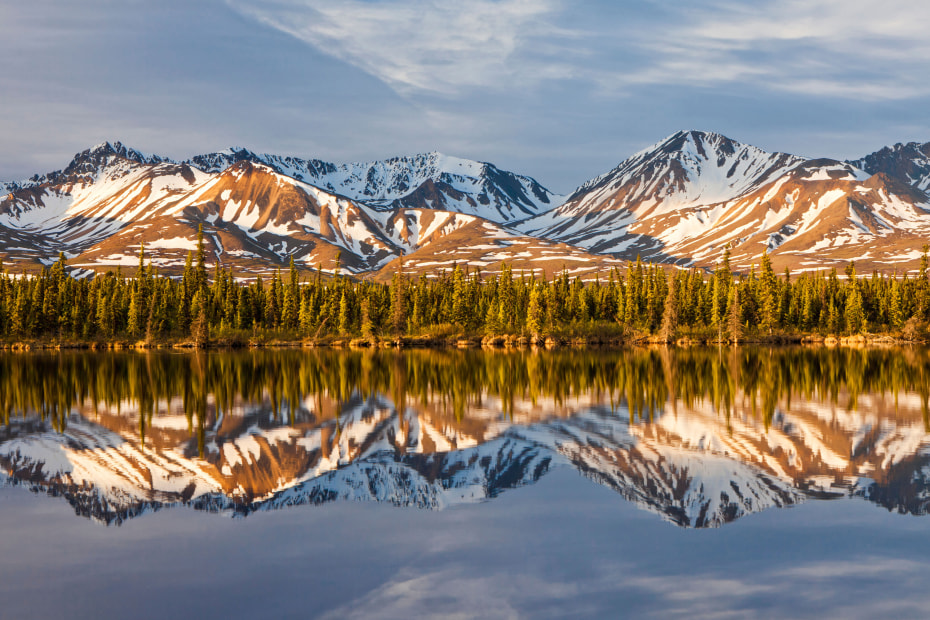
640, 301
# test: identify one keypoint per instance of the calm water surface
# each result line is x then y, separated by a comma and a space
692, 483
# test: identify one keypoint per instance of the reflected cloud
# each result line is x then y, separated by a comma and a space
459, 593
821, 584
867, 568
452, 594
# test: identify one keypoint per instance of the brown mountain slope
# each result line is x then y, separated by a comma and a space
484, 246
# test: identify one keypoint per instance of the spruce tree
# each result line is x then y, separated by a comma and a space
461, 309
345, 314
923, 287
104, 311
895, 306
492, 323
833, 316
769, 301
244, 309
21, 315
200, 275
853, 312
399, 301
137, 298
536, 313
135, 312
368, 328
670, 313
187, 293
507, 306
735, 316
292, 298
306, 315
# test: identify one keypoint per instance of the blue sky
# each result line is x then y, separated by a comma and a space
558, 90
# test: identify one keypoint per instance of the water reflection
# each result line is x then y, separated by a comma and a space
698, 436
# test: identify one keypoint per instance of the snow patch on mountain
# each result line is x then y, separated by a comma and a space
466, 186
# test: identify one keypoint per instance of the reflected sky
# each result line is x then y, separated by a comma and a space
563, 547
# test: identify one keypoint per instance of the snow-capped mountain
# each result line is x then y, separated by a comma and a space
257, 211
688, 169
688, 197
692, 465
681, 201
428, 180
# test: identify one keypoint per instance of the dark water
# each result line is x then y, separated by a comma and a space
692, 483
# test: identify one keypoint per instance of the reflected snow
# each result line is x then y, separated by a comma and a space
699, 437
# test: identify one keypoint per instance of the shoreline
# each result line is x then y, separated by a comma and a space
460, 341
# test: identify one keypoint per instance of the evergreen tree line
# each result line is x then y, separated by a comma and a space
643, 299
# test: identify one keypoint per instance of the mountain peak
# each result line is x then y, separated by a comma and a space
697, 142
688, 155
688, 169
213, 163
909, 163
699, 134
116, 149
431, 162
241, 152
86, 164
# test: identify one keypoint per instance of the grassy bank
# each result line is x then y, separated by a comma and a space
447, 336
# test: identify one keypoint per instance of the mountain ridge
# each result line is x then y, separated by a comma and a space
679, 201
687, 197
243, 226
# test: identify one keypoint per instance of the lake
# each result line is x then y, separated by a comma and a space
732, 482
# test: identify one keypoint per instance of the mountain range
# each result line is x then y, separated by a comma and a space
681, 201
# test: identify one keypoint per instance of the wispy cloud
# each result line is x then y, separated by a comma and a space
557, 89
828, 48
418, 46
451, 593
800, 591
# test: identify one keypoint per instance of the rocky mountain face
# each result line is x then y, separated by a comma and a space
691, 465
681, 201
908, 163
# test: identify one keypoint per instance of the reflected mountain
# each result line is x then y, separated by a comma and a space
700, 437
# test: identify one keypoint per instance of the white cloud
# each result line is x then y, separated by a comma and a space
843, 49
830, 48
417, 45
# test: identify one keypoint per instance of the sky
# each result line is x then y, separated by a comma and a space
555, 89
